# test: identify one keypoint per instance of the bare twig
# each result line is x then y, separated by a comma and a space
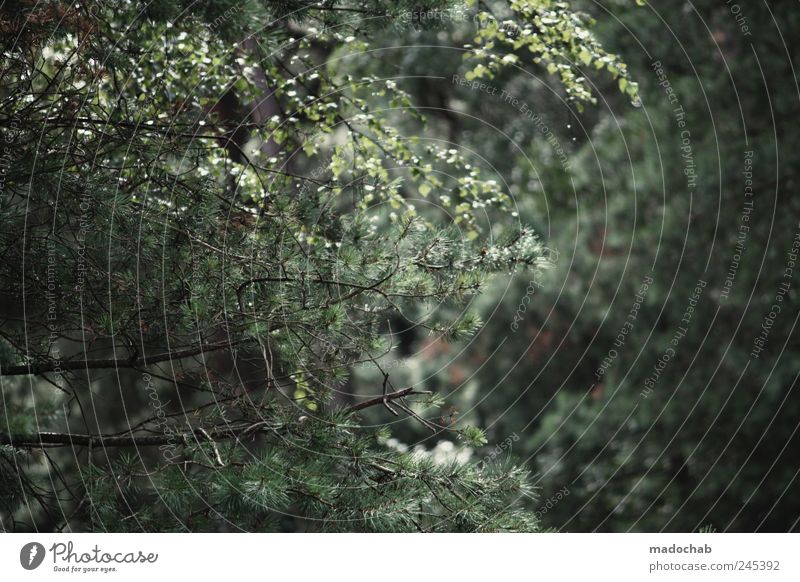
58, 439
383, 399
144, 360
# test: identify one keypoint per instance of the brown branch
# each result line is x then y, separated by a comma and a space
42, 440
61, 439
382, 399
44, 367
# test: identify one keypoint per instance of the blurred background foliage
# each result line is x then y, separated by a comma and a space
715, 440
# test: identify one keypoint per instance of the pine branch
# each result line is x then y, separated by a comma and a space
61, 439
37, 369
383, 399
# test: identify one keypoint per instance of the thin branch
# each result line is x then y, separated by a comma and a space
59, 439
37, 369
383, 399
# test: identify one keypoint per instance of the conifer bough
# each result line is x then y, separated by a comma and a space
206, 224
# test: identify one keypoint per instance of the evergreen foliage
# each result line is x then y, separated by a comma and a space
207, 222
